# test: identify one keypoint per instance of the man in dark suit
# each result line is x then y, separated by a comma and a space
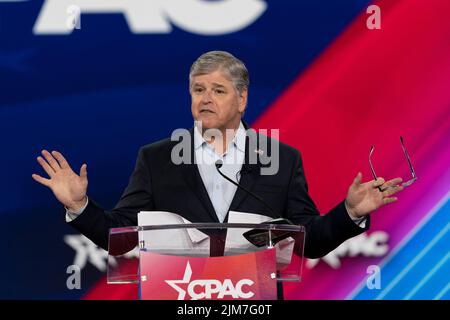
193, 189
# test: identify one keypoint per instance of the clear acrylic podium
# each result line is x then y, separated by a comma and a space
206, 260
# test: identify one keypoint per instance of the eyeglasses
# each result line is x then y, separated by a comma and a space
413, 174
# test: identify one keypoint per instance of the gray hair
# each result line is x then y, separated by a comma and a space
233, 68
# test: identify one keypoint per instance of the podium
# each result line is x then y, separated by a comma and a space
201, 261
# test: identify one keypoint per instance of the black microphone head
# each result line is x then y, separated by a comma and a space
219, 164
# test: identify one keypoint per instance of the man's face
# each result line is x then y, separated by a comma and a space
216, 102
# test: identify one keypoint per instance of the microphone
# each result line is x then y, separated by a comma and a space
258, 237
219, 164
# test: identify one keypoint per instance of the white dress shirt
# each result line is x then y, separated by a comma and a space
220, 191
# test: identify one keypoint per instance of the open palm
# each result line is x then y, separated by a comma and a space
363, 198
68, 187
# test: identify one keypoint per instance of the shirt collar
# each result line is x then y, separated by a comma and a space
198, 138
238, 139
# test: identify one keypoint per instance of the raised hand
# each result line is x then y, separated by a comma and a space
68, 187
363, 198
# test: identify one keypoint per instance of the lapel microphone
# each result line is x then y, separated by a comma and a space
258, 237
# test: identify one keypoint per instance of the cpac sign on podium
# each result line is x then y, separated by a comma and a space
250, 276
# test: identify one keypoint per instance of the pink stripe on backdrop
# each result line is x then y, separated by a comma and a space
370, 87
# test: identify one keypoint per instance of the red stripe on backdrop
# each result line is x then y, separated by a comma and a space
103, 291
370, 87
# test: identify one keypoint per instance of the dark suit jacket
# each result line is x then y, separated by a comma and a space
158, 184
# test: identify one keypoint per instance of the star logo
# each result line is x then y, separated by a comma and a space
186, 279
210, 288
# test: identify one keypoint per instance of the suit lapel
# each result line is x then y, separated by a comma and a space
249, 174
247, 181
194, 181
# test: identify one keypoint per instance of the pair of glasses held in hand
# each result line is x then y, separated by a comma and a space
404, 184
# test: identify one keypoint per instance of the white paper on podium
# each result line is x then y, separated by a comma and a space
177, 241
235, 240
192, 241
